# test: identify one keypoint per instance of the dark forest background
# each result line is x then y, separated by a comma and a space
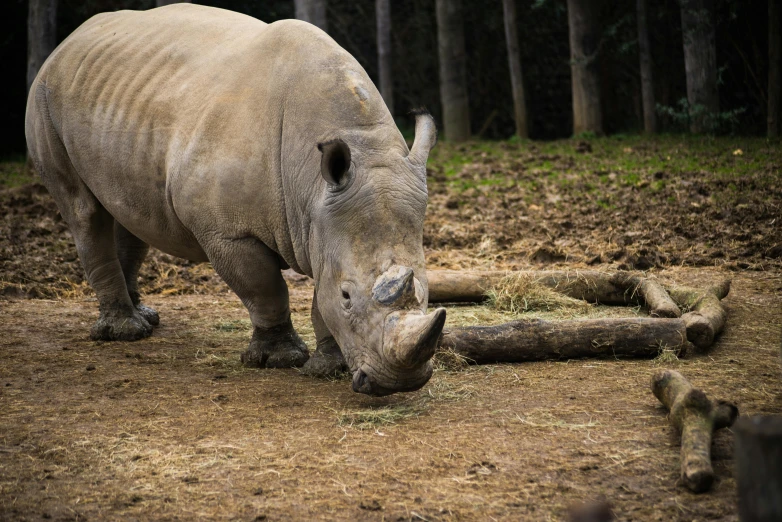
742, 60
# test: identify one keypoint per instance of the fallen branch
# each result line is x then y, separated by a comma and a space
537, 340
705, 317
696, 417
612, 288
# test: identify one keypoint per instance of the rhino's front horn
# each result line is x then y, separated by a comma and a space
410, 338
398, 286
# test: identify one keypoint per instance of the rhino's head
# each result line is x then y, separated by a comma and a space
370, 278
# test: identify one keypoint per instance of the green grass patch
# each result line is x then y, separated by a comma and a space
13, 173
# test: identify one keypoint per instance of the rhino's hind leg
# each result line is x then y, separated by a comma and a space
252, 270
327, 361
91, 225
93, 233
131, 252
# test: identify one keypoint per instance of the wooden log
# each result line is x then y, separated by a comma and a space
537, 340
457, 286
454, 286
612, 288
696, 417
758, 455
706, 316
657, 299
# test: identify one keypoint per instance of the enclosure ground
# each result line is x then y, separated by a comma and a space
174, 428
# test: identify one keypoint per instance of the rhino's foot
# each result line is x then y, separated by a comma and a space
150, 314
120, 323
276, 347
327, 361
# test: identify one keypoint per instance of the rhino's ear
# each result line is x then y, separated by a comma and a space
335, 161
425, 137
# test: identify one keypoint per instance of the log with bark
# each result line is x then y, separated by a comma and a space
610, 288
706, 316
697, 418
704, 319
537, 340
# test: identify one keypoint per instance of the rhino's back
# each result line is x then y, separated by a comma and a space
189, 107
127, 92
143, 71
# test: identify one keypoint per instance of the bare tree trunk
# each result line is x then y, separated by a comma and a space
312, 11
453, 70
647, 82
41, 35
514, 63
758, 455
161, 3
584, 37
774, 64
383, 16
700, 62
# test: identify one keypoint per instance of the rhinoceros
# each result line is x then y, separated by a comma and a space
213, 136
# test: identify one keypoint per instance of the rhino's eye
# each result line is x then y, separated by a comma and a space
345, 296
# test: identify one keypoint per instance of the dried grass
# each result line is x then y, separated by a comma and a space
374, 417
667, 356
447, 391
233, 325
519, 293
449, 361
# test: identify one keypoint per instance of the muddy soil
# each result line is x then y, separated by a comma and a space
631, 204
625, 204
174, 428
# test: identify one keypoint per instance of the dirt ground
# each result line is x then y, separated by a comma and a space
174, 428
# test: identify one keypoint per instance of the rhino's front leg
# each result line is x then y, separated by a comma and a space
327, 361
252, 270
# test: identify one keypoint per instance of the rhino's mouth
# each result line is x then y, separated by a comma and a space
364, 382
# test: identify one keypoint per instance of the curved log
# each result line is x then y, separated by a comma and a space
706, 316
611, 288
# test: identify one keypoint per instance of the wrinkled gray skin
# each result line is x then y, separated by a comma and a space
215, 137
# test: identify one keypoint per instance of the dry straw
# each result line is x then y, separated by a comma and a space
519, 293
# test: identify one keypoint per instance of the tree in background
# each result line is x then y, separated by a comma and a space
700, 63
774, 64
161, 3
383, 17
645, 56
514, 63
312, 11
41, 35
453, 70
584, 48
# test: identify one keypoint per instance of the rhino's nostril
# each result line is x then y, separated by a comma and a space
361, 382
